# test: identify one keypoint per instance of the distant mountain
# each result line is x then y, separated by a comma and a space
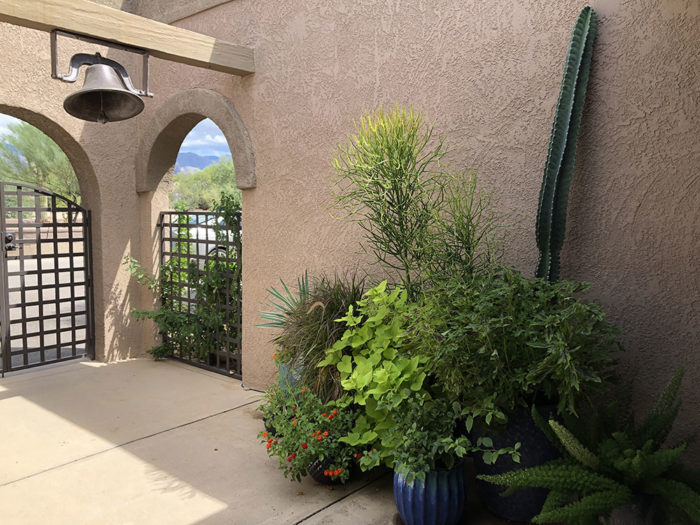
188, 162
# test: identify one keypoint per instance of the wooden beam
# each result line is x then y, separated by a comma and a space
98, 21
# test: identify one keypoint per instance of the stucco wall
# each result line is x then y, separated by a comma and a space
487, 74
101, 156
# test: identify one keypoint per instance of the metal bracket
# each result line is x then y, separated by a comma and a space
81, 59
10, 242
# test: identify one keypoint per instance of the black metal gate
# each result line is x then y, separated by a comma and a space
46, 301
203, 283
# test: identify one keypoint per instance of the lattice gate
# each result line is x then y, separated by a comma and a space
194, 246
46, 301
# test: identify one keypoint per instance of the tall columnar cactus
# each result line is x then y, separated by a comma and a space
561, 156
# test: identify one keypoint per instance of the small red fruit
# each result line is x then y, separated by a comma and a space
319, 438
289, 459
267, 446
274, 356
335, 412
264, 434
294, 423
294, 409
325, 434
303, 390
304, 446
294, 454
358, 455
330, 417
324, 415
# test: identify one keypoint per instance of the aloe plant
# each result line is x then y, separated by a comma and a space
561, 156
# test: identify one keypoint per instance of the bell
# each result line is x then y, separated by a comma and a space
103, 97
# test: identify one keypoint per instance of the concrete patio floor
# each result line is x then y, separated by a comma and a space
156, 442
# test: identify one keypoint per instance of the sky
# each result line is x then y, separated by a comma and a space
205, 138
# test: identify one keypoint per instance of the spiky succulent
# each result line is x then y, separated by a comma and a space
625, 464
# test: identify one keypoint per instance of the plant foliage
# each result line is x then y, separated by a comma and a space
499, 341
309, 326
307, 430
626, 464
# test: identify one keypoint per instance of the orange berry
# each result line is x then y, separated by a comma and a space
274, 356
294, 423
340, 470
264, 434
335, 412
268, 446
319, 438
303, 390
325, 434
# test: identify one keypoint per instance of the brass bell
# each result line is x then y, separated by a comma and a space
104, 97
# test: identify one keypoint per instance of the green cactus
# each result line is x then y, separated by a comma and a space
561, 156
587, 483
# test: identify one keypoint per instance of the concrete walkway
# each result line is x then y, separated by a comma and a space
140, 442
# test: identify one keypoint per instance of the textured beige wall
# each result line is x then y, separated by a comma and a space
102, 157
487, 74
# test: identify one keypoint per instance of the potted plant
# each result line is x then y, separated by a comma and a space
429, 472
306, 326
615, 470
499, 343
405, 421
307, 435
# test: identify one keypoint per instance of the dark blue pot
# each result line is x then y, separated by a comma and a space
535, 450
439, 500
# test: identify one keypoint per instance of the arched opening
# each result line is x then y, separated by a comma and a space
203, 123
47, 307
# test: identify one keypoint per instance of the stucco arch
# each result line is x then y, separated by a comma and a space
84, 172
172, 122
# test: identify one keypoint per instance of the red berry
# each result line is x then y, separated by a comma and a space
294, 454
335, 412
294, 409
294, 423
319, 438
330, 417
267, 446
358, 455
325, 434
324, 415
289, 459
264, 434
303, 390
304, 446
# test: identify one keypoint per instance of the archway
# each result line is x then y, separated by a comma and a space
46, 271
156, 160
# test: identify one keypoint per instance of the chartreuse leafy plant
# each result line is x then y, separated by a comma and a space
400, 413
376, 366
307, 430
561, 156
626, 464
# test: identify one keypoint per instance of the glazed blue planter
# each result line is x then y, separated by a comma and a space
439, 500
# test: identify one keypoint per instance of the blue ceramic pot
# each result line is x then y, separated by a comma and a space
439, 500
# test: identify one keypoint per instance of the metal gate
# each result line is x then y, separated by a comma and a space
197, 245
46, 302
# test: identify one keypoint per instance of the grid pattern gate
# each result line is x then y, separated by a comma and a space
200, 259
46, 302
